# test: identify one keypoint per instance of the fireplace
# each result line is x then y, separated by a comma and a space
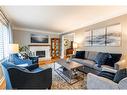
40, 53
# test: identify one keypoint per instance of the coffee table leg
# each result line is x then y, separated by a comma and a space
54, 66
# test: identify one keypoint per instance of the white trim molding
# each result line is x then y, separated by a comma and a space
35, 30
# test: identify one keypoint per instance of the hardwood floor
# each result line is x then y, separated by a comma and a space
42, 62
3, 84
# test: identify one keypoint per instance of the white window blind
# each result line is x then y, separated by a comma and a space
1, 43
4, 41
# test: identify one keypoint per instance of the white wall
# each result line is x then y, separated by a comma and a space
69, 38
79, 36
23, 37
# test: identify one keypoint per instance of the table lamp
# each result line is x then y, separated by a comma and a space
13, 48
75, 46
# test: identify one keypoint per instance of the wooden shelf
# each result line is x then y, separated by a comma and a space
55, 48
38, 45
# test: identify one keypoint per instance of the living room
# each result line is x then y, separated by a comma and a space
63, 47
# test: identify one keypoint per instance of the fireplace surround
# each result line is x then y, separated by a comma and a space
40, 50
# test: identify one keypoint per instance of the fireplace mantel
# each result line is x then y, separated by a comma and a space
38, 45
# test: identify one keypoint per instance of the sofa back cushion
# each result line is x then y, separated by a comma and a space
113, 59
86, 54
91, 55
80, 54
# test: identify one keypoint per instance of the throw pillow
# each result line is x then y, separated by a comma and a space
20, 56
24, 56
113, 59
80, 54
120, 75
101, 58
107, 74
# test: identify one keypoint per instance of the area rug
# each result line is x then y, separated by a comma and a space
59, 83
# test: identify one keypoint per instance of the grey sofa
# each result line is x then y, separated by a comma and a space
97, 82
90, 66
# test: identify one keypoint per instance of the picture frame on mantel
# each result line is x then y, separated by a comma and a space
39, 38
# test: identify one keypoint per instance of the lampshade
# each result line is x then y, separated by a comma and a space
13, 48
75, 45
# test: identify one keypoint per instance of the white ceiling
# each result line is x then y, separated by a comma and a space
59, 18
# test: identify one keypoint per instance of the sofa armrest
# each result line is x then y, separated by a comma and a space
123, 83
120, 64
109, 69
72, 56
97, 82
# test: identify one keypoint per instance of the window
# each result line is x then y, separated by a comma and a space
4, 40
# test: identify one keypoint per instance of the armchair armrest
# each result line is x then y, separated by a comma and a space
121, 64
123, 83
97, 82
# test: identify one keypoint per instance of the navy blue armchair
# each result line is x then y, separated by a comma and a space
17, 60
30, 77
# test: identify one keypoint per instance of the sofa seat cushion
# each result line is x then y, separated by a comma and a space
106, 66
88, 63
76, 60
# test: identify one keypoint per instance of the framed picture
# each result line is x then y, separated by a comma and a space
98, 37
114, 35
39, 38
88, 39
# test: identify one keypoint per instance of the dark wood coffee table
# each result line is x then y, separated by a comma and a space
68, 70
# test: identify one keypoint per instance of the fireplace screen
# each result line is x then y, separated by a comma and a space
40, 53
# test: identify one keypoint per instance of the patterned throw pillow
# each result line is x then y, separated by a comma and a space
101, 58
23, 56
